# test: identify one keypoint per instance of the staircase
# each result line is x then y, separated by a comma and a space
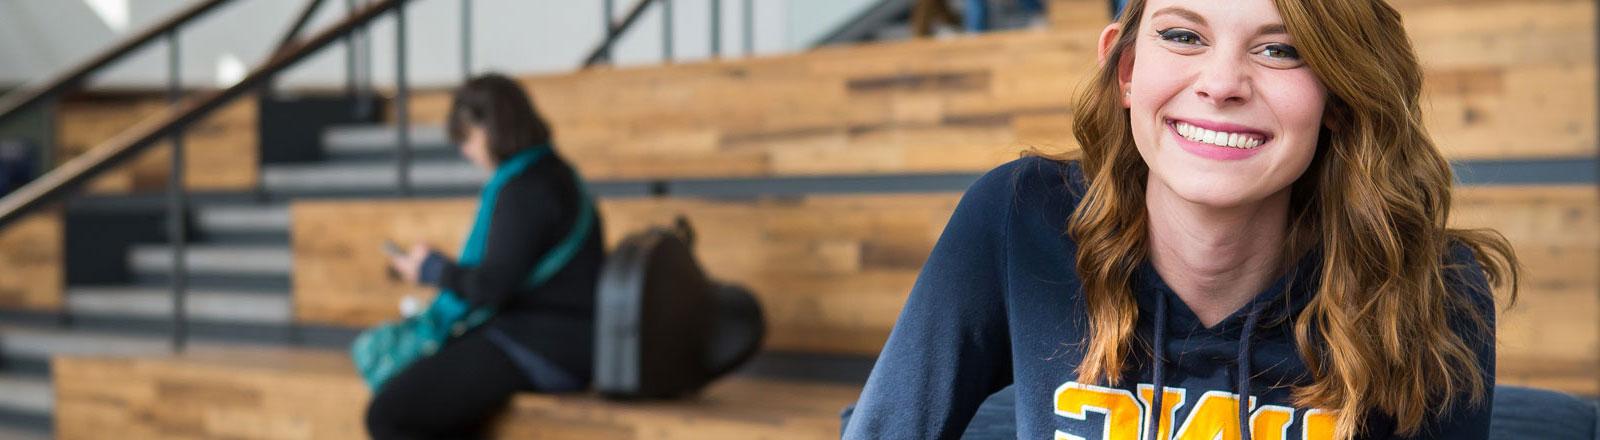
239, 263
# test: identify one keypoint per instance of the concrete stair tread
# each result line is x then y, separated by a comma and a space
43, 343
369, 175
218, 305
202, 258
25, 395
243, 218
10, 433
379, 138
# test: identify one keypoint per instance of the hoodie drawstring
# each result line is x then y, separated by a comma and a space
1242, 365
1159, 359
1244, 369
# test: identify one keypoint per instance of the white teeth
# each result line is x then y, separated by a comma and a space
1221, 139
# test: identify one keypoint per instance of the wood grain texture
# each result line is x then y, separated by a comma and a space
309, 394
1551, 337
31, 274
340, 271
833, 271
921, 106
220, 150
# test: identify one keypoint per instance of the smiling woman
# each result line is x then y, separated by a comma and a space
1251, 244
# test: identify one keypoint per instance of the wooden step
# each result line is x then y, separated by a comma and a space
31, 274
288, 393
830, 271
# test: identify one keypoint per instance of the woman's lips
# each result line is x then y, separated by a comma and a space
1242, 144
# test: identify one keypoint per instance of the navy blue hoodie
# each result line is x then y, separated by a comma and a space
999, 302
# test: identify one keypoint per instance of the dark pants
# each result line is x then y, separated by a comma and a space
448, 395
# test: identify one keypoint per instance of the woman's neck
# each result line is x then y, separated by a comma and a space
1215, 259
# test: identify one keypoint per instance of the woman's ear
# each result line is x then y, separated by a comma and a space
1124, 68
1108, 38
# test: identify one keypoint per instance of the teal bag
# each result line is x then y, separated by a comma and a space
384, 351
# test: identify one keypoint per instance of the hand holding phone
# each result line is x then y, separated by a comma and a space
392, 251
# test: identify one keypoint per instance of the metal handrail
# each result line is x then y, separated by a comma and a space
13, 103
141, 137
300, 21
602, 51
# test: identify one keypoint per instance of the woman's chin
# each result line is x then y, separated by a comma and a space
1217, 194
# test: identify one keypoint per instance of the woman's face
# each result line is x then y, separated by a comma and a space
476, 147
1222, 109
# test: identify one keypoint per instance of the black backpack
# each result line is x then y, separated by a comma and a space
663, 328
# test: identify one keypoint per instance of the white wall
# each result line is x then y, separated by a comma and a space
39, 38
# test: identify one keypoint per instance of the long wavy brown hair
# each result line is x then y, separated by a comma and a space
1374, 203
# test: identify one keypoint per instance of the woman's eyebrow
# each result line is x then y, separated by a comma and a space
1272, 29
1181, 12
1268, 29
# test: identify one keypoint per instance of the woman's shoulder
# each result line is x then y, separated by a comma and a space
1031, 182
1464, 275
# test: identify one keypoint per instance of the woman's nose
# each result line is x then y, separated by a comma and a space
1223, 81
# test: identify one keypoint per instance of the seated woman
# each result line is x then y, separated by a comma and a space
1252, 244
541, 337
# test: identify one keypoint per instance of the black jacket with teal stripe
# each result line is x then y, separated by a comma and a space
534, 211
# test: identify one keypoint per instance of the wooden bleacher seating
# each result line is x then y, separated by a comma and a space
304, 394
832, 271
31, 276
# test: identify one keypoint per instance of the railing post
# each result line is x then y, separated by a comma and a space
749, 33
716, 28
666, 31
609, 27
350, 53
402, 95
177, 201
364, 89
466, 40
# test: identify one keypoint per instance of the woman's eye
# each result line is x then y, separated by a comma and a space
1282, 51
1179, 36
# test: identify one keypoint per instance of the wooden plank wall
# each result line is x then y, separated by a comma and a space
1551, 337
31, 276
221, 152
313, 394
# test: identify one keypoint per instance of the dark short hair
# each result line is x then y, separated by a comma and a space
500, 106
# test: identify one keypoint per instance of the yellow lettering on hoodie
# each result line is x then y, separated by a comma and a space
1121, 410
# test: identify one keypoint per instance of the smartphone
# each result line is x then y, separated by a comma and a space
391, 249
